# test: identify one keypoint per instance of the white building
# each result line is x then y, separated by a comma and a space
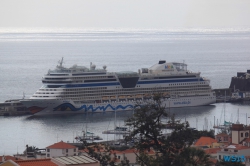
61, 149
239, 133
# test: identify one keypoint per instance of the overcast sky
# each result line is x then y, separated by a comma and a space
147, 14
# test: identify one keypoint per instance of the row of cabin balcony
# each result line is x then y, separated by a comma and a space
180, 91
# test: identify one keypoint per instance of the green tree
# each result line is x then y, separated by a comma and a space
147, 129
124, 162
102, 154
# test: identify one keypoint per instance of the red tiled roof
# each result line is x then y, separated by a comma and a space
37, 162
61, 145
212, 150
247, 140
221, 135
203, 141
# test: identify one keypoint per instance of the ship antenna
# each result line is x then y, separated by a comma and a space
60, 62
23, 95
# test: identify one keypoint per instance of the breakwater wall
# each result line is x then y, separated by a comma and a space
223, 92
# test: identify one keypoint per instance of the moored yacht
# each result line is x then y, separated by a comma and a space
80, 89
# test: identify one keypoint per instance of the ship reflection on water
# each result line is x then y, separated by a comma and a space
42, 131
99, 122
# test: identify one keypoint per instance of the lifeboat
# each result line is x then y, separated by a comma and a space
138, 96
130, 97
112, 97
165, 94
147, 95
105, 98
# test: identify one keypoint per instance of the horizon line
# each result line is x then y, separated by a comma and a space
96, 29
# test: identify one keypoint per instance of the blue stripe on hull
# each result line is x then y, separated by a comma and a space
65, 106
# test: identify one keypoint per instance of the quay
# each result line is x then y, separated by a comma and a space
227, 95
223, 95
13, 108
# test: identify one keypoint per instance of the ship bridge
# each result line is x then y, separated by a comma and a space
127, 79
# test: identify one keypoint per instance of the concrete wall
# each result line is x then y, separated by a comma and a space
61, 152
235, 137
238, 136
130, 156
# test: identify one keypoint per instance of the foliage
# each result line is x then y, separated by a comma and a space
102, 154
204, 133
124, 162
172, 150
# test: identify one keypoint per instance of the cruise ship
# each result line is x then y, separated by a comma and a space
79, 89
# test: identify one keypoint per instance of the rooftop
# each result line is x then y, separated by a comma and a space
8, 158
61, 145
203, 141
246, 140
75, 160
37, 162
212, 150
221, 135
236, 147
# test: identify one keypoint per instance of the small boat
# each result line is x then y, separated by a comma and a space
88, 137
117, 130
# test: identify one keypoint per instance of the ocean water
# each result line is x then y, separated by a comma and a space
25, 56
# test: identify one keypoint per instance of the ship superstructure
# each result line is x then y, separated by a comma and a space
79, 89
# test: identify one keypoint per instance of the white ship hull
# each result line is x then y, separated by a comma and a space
45, 107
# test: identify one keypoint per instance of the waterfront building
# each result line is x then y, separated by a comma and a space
233, 150
223, 138
241, 82
61, 149
130, 155
239, 133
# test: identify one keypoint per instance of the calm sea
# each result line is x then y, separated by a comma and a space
25, 56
